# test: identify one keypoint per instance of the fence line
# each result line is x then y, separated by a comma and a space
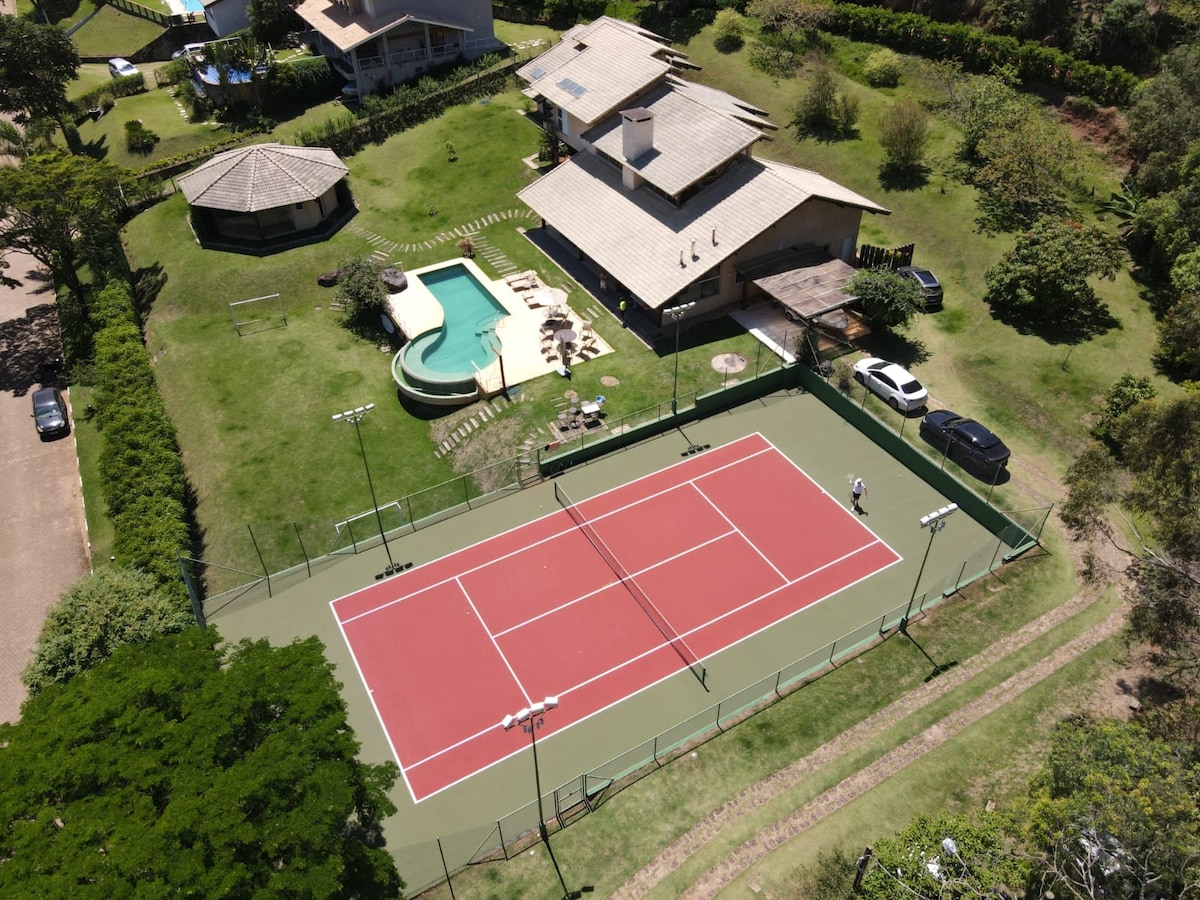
143, 12
405, 515
428, 863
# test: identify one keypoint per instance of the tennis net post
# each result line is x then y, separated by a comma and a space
672, 636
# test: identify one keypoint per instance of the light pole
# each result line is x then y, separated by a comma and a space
676, 314
355, 416
530, 719
935, 522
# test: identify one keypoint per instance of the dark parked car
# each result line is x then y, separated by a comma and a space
49, 412
931, 288
965, 441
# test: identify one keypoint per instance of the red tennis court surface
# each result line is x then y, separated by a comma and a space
724, 544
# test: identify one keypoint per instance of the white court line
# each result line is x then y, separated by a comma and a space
692, 483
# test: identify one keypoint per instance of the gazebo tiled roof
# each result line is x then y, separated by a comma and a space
262, 176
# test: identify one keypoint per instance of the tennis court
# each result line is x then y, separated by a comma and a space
595, 602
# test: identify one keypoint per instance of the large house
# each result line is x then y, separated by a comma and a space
663, 194
375, 44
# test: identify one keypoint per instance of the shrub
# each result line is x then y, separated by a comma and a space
139, 138
96, 615
727, 30
817, 109
360, 289
904, 133
882, 69
847, 112
466, 247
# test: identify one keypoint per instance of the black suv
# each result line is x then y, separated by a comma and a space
965, 441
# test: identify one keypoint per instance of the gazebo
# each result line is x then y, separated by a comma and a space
267, 197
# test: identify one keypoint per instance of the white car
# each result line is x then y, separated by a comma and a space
892, 382
119, 68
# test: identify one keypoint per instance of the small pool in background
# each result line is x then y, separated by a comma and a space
445, 360
209, 75
192, 6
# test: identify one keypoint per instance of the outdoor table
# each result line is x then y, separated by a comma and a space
590, 408
564, 337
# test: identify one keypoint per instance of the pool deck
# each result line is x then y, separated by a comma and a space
415, 311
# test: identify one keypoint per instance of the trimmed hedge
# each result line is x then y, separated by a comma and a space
126, 86
141, 471
980, 51
409, 105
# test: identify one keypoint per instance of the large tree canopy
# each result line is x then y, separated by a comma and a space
36, 63
1043, 280
177, 769
65, 211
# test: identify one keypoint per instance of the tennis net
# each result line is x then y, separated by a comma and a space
652, 612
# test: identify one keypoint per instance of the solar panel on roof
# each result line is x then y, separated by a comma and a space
539, 72
575, 90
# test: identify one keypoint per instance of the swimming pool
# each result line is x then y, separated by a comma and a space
192, 6
446, 359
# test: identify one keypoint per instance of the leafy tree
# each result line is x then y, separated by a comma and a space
1185, 274
1166, 615
1126, 393
360, 288
904, 134
728, 26
105, 610
1092, 486
887, 300
1165, 118
1126, 34
1166, 227
792, 18
1114, 813
1160, 445
271, 20
64, 211
829, 877
1023, 171
36, 64
1178, 352
817, 110
847, 113
1043, 280
950, 856
177, 768
989, 106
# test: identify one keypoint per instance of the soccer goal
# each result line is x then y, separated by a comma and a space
257, 314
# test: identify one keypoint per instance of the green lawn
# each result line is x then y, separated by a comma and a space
253, 412
104, 138
114, 33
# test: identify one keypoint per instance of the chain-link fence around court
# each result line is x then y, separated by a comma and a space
428, 863
260, 560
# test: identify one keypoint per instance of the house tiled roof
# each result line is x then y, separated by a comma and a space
598, 68
335, 22
262, 176
690, 140
722, 102
649, 241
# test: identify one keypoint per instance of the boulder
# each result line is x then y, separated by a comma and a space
328, 279
394, 279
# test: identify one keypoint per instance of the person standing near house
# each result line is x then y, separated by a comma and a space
624, 307
857, 492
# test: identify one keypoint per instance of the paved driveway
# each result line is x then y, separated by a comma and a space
43, 548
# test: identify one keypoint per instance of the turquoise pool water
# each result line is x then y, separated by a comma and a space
465, 339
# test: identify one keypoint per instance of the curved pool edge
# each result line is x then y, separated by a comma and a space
422, 396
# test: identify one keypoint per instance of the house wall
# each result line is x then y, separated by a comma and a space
225, 17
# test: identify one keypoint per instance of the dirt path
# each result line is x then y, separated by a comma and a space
1046, 490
